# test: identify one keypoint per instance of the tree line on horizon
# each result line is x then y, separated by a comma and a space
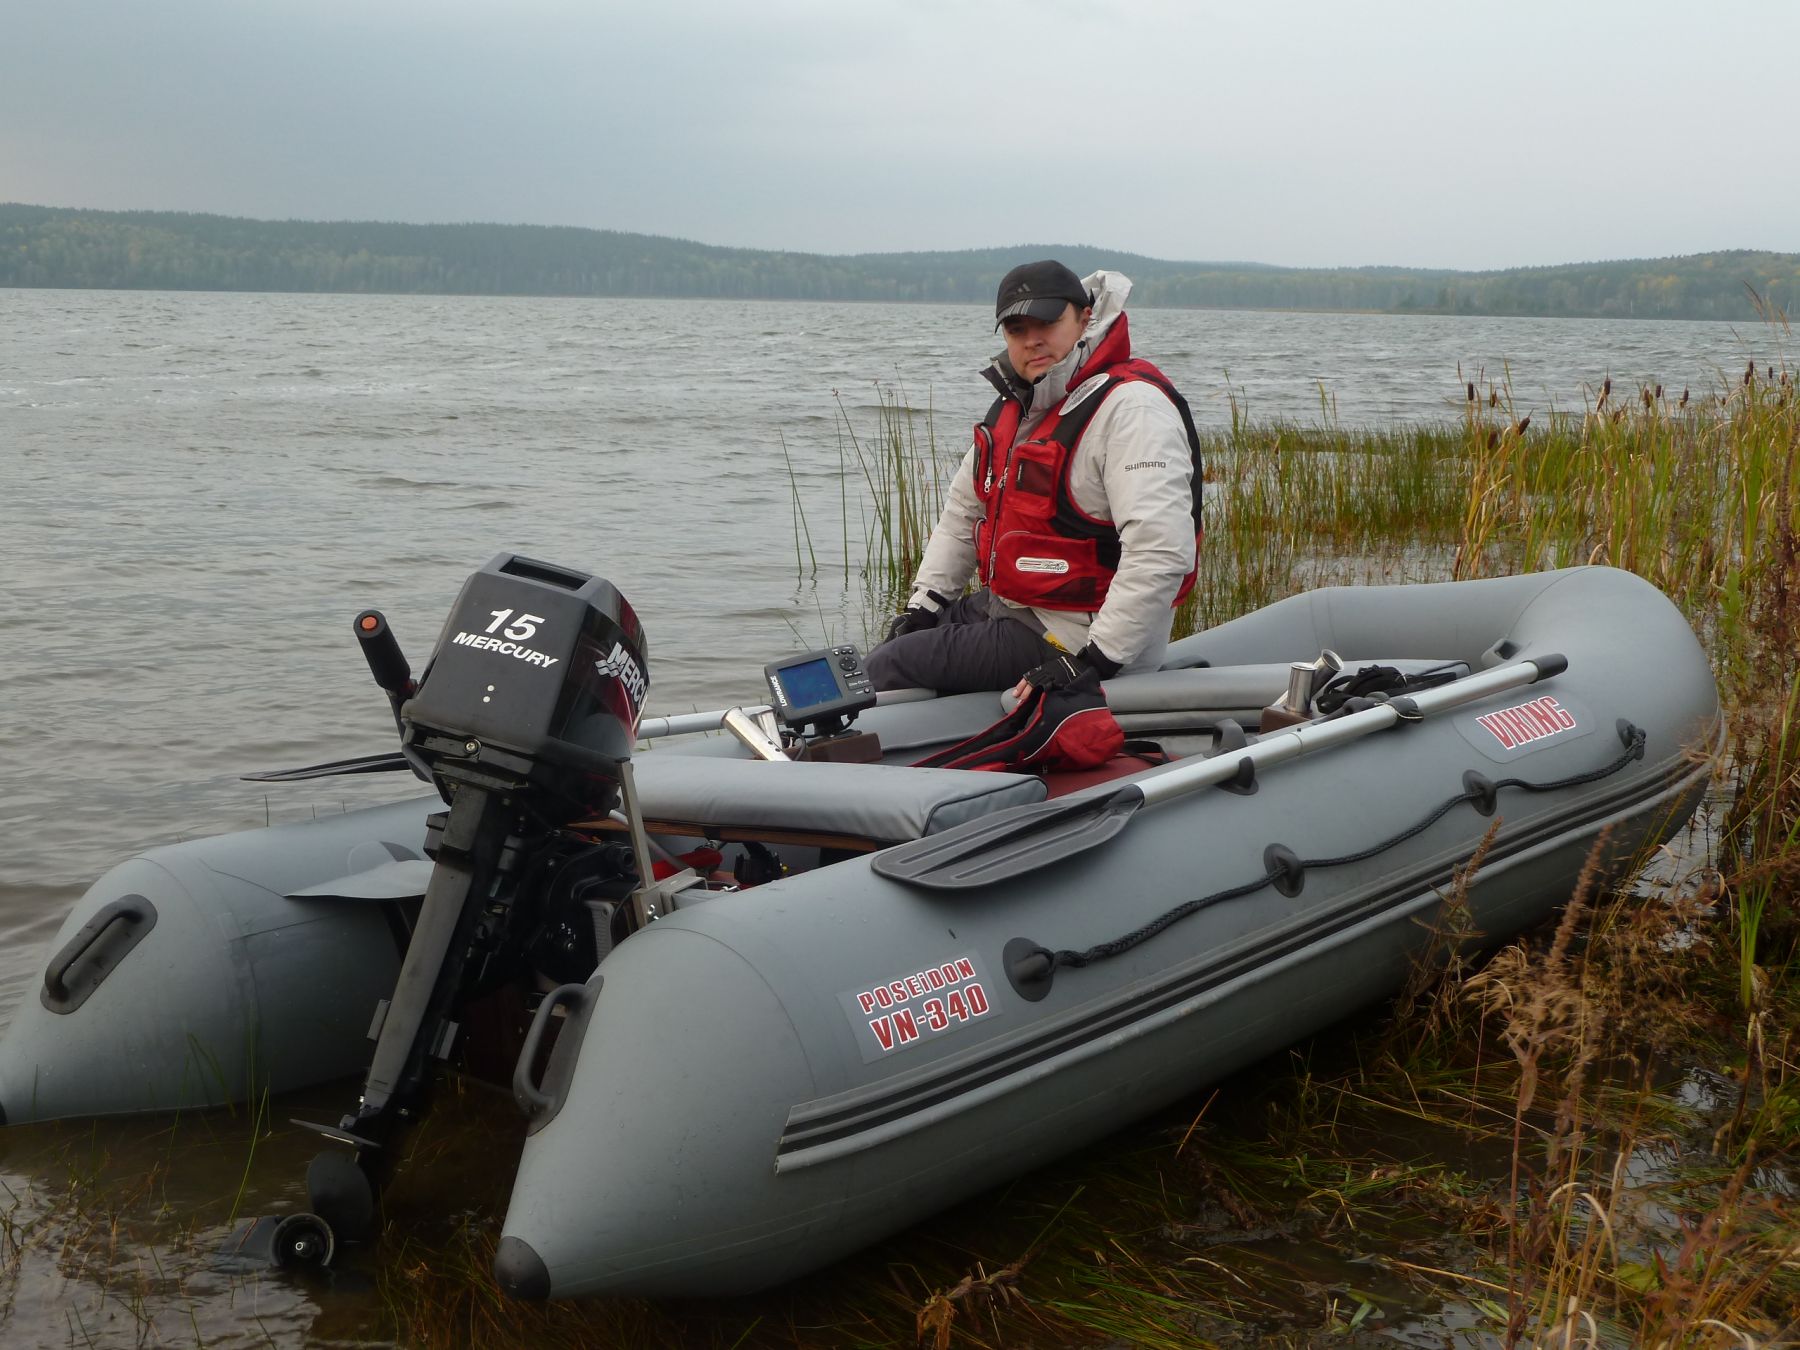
64, 247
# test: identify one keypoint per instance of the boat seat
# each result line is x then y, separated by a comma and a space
887, 804
1201, 696
914, 722
1157, 700
1188, 700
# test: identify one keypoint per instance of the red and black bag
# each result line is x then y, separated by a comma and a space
1051, 731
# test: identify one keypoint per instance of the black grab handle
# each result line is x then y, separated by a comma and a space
135, 911
1549, 665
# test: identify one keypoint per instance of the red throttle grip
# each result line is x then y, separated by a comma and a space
382, 651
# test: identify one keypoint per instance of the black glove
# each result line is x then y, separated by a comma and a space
1063, 670
916, 617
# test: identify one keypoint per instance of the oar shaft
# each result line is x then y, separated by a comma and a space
1306, 737
683, 724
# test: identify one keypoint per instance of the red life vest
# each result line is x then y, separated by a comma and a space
1035, 546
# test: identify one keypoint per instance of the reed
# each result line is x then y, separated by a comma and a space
1695, 494
1762, 845
905, 473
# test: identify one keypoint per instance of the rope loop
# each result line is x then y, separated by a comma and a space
1635, 740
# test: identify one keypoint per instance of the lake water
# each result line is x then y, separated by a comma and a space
201, 490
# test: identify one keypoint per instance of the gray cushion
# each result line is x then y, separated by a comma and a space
1221, 689
1184, 700
873, 801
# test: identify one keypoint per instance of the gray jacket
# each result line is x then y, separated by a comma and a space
1131, 467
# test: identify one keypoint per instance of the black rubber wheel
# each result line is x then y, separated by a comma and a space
303, 1242
341, 1193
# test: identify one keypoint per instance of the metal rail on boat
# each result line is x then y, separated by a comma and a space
685, 724
1306, 737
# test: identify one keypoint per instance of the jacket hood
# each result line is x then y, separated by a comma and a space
1110, 290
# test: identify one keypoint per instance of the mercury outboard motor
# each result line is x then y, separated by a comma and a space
536, 687
524, 721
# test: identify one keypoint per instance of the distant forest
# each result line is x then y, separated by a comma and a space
158, 250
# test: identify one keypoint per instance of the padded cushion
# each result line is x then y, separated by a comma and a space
873, 801
910, 722
1185, 700
1220, 688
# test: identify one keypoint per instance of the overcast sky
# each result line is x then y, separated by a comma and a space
1300, 133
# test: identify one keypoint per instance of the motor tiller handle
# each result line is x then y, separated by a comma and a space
382, 651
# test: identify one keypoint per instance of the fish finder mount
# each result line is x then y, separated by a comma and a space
820, 691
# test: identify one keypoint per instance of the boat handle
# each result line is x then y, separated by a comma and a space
530, 1097
130, 909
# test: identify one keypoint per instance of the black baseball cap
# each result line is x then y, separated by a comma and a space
1039, 290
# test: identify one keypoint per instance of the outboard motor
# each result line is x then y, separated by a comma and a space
535, 687
524, 721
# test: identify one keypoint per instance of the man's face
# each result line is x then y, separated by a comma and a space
1033, 346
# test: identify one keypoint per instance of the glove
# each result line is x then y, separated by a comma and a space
916, 617
911, 620
1063, 670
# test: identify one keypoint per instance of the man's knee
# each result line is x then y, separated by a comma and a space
927, 659
957, 658
886, 665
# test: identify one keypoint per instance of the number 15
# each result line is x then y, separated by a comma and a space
522, 629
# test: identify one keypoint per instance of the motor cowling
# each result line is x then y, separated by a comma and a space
537, 683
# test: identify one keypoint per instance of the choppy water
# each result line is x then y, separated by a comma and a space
199, 491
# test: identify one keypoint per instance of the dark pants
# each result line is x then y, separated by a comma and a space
970, 649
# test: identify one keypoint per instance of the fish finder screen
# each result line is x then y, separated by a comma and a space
809, 683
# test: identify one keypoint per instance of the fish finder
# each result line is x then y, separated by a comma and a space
823, 689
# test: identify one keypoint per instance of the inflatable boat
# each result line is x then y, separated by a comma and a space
787, 992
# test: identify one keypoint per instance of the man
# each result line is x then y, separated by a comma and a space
1077, 507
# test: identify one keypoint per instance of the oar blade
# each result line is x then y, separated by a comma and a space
1009, 844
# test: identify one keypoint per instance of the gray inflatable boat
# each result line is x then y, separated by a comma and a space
838, 996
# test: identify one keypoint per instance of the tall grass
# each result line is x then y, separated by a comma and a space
1696, 494
905, 477
1762, 846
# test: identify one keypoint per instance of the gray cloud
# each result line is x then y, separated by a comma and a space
1307, 133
